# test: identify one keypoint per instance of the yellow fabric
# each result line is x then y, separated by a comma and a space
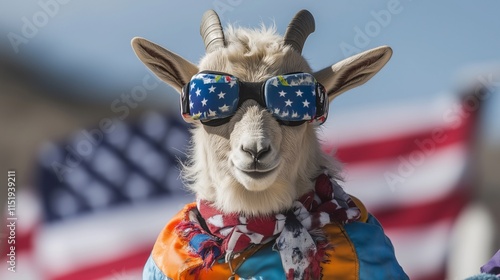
342, 261
362, 208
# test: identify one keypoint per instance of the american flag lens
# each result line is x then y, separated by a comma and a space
213, 96
292, 97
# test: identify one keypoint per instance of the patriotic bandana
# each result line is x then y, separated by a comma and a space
297, 233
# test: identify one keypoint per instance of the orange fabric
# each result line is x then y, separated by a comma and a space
179, 261
343, 261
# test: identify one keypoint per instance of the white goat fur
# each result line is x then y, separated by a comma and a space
216, 159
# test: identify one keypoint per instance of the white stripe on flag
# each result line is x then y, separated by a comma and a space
422, 251
373, 123
435, 178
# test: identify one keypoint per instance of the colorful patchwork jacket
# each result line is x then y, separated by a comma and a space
360, 251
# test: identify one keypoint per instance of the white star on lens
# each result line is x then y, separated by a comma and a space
282, 93
193, 85
198, 92
275, 82
314, 93
284, 114
211, 89
221, 95
295, 115
232, 82
224, 108
212, 113
288, 103
306, 103
204, 102
306, 117
299, 93
191, 104
276, 110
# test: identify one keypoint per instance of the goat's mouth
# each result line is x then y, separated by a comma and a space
257, 174
256, 177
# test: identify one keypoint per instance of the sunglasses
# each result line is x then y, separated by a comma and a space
292, 99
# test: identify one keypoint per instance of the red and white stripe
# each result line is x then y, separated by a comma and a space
108, 245
28, 221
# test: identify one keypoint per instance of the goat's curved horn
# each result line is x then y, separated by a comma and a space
299, 28
211, 31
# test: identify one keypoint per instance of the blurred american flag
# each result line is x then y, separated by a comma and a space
410, 164
101, 220
98, 208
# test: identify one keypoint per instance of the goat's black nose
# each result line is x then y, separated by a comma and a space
256, 152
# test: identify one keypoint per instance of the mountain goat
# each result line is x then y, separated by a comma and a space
269, 205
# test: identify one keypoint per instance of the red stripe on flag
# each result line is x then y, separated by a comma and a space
445, 208
117, 267
439, 275
23, 241
434, 138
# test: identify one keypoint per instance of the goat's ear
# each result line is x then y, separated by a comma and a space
353, 71
168, 66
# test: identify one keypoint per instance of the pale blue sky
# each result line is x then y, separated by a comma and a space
434, 42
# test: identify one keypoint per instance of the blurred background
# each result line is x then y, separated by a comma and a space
95, 138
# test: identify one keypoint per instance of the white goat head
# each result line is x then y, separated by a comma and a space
253, 164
